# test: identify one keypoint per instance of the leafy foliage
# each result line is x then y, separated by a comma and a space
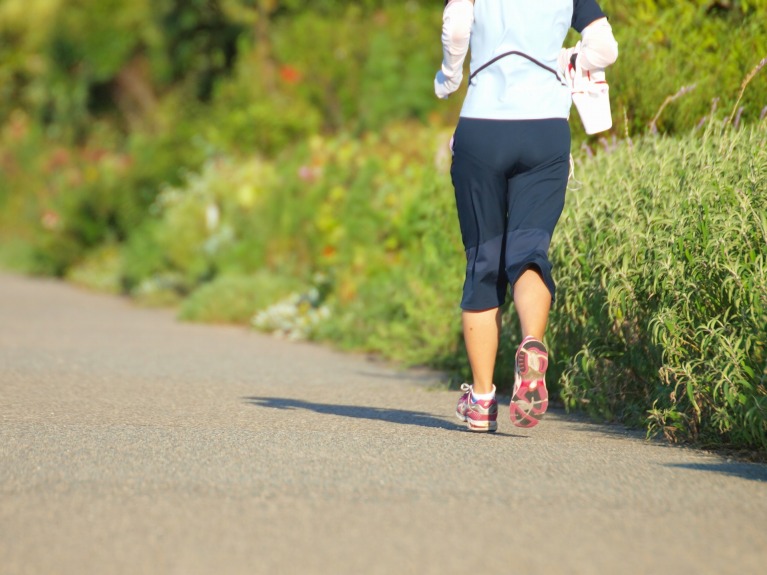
665, 46
661, 258
235, 298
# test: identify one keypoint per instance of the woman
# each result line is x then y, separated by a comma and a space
511, 154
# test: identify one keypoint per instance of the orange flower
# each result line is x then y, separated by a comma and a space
290, 75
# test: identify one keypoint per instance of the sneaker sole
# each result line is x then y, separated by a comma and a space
531, 399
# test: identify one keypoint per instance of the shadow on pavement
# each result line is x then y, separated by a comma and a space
401, 416
751, 471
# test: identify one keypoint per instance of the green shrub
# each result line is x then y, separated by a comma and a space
89, 201
98, 270
662, 316
665, 46
276, 72
363, 70
142, 256
235, 299
362, 213
200, 228
65, 201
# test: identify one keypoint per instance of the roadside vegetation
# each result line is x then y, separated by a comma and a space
261, 163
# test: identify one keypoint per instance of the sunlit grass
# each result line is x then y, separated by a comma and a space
662, 263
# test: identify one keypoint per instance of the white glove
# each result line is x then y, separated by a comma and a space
444, 86
565, 62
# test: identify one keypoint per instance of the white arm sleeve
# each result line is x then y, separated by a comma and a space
457, 20
598, 46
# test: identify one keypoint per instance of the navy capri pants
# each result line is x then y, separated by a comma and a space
510, 178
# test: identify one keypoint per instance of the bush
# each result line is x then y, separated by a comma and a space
66, 201
665, 46
662, 317
99, 270
195, 228
236, 299
354, 84
362, 213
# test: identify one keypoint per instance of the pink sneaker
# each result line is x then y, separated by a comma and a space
480, 415
530, 399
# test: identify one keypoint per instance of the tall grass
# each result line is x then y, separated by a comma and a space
661, 259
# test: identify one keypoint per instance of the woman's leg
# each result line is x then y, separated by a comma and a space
532, 301
536, 198
480, 181
481, 332
482, 329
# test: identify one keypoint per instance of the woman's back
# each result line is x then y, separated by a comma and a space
514, 87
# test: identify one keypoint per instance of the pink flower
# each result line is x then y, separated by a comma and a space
50, 220
308, 173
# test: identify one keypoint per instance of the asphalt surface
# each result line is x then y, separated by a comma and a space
132, 443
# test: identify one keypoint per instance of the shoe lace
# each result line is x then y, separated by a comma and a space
465, 387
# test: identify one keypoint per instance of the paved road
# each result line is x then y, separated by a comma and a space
130, 443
